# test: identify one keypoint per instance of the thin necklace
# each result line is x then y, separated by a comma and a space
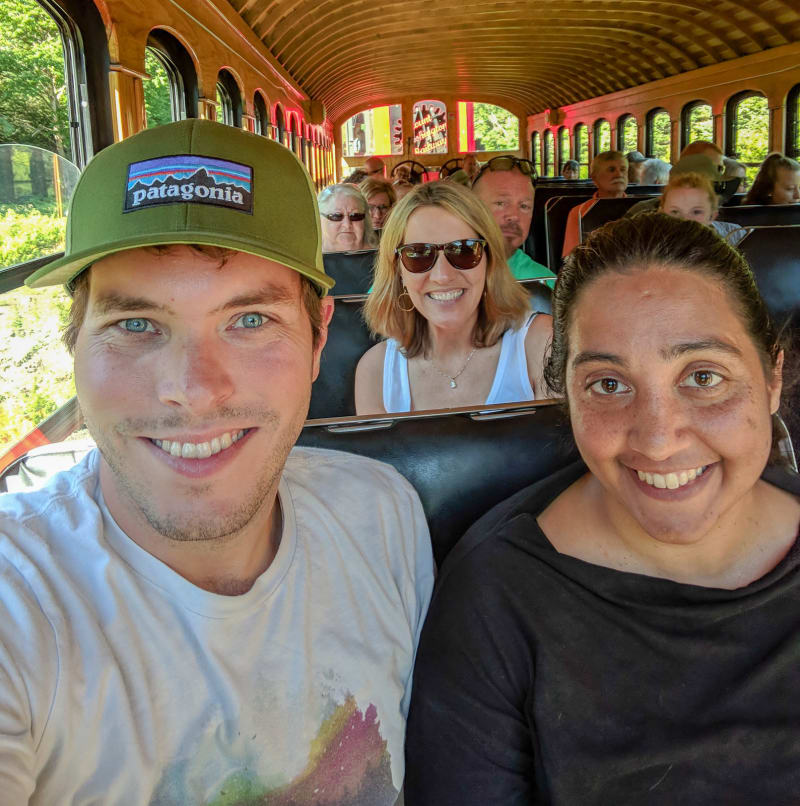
452, 378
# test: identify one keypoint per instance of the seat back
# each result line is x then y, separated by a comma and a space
761, 215
556, 214
461, 463
536, 243
333, 393
605, 210
351, 270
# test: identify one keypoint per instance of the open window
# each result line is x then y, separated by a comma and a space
793, 122
602, 136
374, 132
658, 135
486, 127
563, 148
747, 131
536, 152
697, 123
581, 135
627, 134
549, 153
171, 91
261, 113
229, 100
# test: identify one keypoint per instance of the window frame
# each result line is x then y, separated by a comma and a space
231, 96
576, 139
175, 58
648, 132
686, 123
262, 122
549, 153
536, 152
622, 122
562, 158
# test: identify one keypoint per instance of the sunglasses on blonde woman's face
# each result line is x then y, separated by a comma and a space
421, 257
340, 216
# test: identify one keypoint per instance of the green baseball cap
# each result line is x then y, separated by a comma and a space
193, 182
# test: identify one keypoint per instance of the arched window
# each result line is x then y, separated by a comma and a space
581, 134
376, 131
697, 123
536, 152
158, 96
793, 122
747, 135
280, 125
229, 100
658, 135
261, 110
627, 134
486, 127
602, 136
429, 121
549, 153
167, 51
563, 148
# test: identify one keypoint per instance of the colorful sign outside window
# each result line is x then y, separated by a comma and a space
430, 127
377, 131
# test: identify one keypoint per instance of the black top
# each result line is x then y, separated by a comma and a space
541, 678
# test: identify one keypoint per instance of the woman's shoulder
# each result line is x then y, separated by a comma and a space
373, 358
369, 380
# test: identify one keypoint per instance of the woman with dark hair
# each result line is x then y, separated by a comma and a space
777, 182
627, 631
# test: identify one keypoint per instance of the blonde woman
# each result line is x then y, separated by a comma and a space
458, 327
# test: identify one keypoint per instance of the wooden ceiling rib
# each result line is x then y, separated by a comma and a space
533, 54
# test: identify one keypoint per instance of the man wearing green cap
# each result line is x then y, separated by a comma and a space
198, 612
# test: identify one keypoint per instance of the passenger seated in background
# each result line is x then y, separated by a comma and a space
734, 170
470, 165
346, 227
636, 161
355, 178
694, 163
198, 612
402, 187
457, 325
691, 196
460, 177
374, 168
705, 148
777, 182
380, 197
571, 170
655, 172
609, 172
628, 630
504, 185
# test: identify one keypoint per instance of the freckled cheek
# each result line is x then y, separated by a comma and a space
598, 433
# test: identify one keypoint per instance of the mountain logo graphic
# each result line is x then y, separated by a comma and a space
189, 178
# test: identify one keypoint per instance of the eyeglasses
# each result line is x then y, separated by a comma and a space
421, 257
525, 167
340, 216
379, 208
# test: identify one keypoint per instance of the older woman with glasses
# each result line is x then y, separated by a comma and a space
457, 325
380, 197
346, 227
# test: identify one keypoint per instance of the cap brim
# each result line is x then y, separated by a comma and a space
64, 269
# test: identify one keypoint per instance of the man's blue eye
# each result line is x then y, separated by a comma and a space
250, 320
135, 325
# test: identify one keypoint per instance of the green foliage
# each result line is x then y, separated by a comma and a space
630, 136
701, 124
563, 146
661, 130
157, 102
26, 233
751, 141
35, 367
582, 149
537, 153
603, 135
33, 92
549, 155
496, 129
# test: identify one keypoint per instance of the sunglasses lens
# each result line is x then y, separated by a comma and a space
334, 216
417, 257
465, 254
357, 216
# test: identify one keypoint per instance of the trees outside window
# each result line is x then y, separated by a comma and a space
697, 123
627, 134
658, 135
563, 148
602, 136
748, 131
536, 153
549, 154
582, 149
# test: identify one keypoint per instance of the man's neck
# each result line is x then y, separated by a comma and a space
228, 564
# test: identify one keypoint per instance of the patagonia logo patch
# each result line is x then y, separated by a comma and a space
189, 178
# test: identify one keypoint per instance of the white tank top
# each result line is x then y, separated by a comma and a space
511, 381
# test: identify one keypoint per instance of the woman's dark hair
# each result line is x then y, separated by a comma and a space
767, 176
655, 239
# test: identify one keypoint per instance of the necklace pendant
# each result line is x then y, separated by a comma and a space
453, 383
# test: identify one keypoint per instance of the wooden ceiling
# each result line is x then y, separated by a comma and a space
531, 54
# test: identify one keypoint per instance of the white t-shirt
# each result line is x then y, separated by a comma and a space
123, 683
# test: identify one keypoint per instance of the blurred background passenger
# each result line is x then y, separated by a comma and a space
691, 196
609, 172
346, 227
777, 182
611, 634
734, 170
380, 197
571, 170
705, 148
470, 166
505, 186
636, 161
655, 172
460, 177
355, 177
457, 325
374, 167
